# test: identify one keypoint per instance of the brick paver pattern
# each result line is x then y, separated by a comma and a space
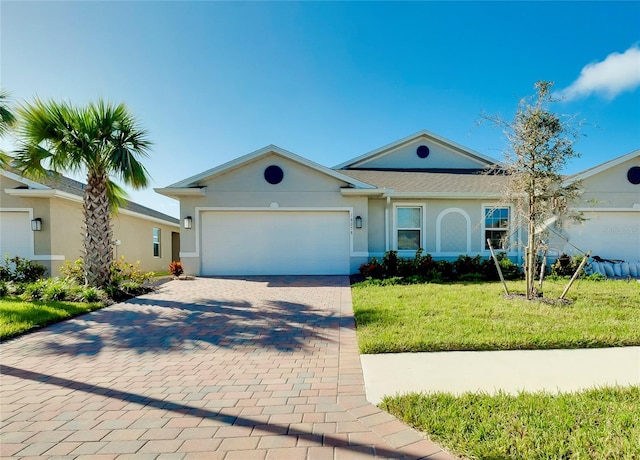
216, 368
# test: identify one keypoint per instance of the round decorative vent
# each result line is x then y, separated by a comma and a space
633, 175
273, 174
423, 151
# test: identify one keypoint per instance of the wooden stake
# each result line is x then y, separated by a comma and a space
495, 260
575, 275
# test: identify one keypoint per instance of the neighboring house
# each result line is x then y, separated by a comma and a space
610, 205
55, 207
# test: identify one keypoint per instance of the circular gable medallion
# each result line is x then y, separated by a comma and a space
273, 174
422, 151
633, 175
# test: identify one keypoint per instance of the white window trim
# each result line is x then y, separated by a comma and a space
511, 249
439, 229
423, 218
159, 256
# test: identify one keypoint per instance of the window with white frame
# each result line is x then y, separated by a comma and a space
156, 242
496, 227
409, 228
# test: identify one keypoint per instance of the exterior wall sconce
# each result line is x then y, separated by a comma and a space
358, 222
188, 222
36, 224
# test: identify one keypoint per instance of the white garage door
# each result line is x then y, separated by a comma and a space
15, 234
275, 243
610, 235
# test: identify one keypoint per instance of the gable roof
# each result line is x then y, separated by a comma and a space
65, 187
603, 167
435, 184
194, 182
481, 159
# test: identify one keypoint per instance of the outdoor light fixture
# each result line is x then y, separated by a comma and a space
36, 224
358, 222
188, 222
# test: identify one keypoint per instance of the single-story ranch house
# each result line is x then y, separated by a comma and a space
274, 212
42, 221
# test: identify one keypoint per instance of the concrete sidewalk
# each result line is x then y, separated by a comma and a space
489, 371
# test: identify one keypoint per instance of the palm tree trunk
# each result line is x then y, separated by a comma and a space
98, 232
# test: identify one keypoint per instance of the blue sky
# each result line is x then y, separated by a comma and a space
212, 81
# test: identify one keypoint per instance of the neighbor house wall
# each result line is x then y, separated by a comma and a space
38, 208
61, 237
135, 235
610, 188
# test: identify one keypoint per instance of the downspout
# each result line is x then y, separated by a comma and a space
386, 224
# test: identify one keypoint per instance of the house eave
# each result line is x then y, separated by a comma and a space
443, 195
52, 193
364, 191
176, 192
42, 193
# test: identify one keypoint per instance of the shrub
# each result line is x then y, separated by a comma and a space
423, 268
176, 269
423, 264
34, 291
510, 270
372, 269
566, 265
4, 288
126, 280
446, 269
124, 271
390, 263
467, 265
21, 270
74, 271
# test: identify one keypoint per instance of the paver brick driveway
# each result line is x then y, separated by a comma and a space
212, 368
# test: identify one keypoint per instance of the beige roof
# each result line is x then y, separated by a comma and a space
423, 182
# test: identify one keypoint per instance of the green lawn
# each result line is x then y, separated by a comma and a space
18, 316
475, 316
596, 424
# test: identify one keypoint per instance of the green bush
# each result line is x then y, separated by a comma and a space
74, 271
566, 265
21, 270
126, 280
390, 263
372, 269
423, 268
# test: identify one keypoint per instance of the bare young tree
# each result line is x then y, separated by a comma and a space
539, 145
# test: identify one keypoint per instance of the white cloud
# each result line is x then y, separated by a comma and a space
617, 73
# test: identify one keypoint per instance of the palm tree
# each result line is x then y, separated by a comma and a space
7, 120
101, 139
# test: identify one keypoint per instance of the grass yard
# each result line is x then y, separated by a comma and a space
596, 424
18, 316
475, 316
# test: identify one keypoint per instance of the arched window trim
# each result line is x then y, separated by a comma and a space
439, 229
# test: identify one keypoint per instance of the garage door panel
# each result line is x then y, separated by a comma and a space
611, 235
275, 243
16, 237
